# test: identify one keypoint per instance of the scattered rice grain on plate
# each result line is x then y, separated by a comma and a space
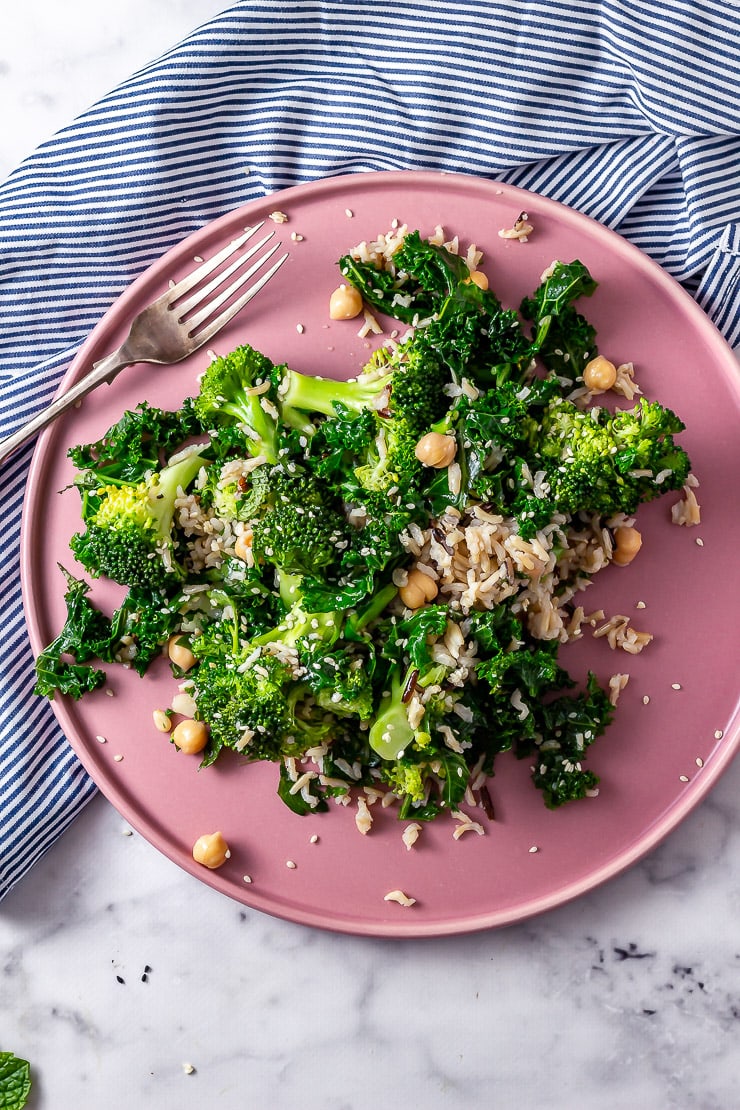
363, 816
687, 511
465, 825
521, 229
617, 683
399, 897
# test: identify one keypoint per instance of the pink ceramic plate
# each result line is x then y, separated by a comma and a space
660, 757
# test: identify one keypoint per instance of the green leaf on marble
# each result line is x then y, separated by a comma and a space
15, 1082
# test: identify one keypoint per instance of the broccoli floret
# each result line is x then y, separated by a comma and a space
341, 683
246, 710
129, 527
301, 529
249, 698
241, 388
605, 463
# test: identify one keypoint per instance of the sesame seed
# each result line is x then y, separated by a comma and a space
645, 699
101, 739
313, 839
296, 237
348, 213
699, 541
675, 686
718, 734
291, 864
117, 758
246, 878
683, 778
300, 329
699, 761
188, 1069
640, 605
533, 849
197, 258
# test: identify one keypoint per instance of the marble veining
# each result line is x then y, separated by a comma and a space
127, 983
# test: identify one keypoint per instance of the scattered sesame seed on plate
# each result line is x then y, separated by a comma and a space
699, 541
645, 699
533, 849
675, 686
291, 864
118, 758
683, 778
300, 329
101, 739
718, 734
640, 605
188, 1069
313, 839
699, 761
348, 213
246, 878
198, 258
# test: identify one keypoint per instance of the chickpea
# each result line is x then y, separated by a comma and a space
180, 653
419, 590
599, 374
345, 303
435, 449
190, 736
627, 542
211, 850
478, 278
243, 546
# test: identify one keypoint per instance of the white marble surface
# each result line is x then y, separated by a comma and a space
627, 998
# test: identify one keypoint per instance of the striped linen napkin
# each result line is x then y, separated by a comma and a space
628, 113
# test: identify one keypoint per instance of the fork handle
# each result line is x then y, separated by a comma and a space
103, 371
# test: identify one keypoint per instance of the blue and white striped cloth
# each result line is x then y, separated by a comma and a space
626, 112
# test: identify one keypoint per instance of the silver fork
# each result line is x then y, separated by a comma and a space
174, 325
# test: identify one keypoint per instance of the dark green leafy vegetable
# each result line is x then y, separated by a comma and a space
15, 1081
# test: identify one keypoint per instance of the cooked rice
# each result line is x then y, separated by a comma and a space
620, 634
400, 897
521, 229
625, 384
411, 834
363, 817
479, 560
617, 683
465, 824
687, 511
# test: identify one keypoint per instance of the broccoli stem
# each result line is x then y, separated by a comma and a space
310, 394
391, 733
170, 480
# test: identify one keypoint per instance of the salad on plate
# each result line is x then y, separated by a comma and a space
371, 583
